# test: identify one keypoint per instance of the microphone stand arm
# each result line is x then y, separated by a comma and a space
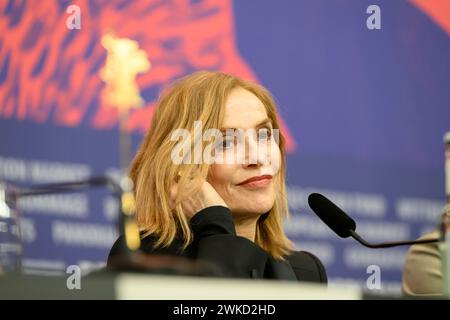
358, 238
123, 191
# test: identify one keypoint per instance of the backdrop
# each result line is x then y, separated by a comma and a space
364, 111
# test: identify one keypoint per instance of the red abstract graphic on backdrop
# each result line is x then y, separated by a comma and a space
49, 73
437, 10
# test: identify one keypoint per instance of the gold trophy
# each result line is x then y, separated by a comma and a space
124, 61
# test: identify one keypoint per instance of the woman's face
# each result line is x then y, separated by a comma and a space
243, 110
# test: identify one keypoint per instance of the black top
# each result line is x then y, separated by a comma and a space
216, 242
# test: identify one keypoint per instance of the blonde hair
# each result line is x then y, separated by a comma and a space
200, 96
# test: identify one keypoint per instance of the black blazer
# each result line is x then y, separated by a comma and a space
216, 242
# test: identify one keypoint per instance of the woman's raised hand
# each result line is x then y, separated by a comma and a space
206, 197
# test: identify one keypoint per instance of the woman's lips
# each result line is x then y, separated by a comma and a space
256, 182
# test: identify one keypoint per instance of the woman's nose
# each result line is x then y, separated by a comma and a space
256, 153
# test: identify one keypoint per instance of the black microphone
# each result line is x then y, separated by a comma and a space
344, 226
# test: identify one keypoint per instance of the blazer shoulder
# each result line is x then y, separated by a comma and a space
307, 267
148, 247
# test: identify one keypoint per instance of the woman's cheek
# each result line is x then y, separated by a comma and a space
275, 159
219, 176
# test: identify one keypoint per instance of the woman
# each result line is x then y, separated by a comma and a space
218, 200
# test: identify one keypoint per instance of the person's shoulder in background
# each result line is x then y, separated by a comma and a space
307, 267
422, 271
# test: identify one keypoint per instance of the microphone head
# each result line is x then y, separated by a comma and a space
331, 214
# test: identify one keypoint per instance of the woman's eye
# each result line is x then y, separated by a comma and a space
228, 143
264, 134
